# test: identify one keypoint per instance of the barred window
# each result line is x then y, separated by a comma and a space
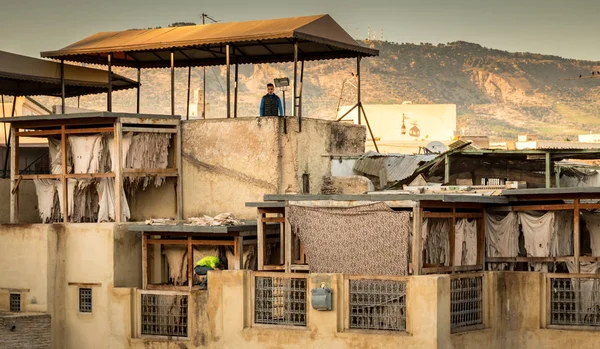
15, 302
574, 301
164, 315
466, 301
280, 301
377, 305
85, 300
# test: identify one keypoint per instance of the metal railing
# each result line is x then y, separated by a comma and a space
466, 301
376, 303
280, 299
164, 314
573, 300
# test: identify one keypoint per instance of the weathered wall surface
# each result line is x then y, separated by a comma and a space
228, 162
28, 210
127, 257
31, 331
154, 202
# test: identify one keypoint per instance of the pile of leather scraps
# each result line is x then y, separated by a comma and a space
218, 220
160, 221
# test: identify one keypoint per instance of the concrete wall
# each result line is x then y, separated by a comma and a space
19, 331
228, 162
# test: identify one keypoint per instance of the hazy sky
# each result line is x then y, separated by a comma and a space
568, 28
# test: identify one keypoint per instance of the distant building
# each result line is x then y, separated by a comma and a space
404, 128
590, 138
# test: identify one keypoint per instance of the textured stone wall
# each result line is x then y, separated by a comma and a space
25, 331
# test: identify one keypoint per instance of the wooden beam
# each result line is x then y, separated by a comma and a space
260, 236
576, 235
14, 171
451, 269
194, 242
149, 130
145, 271
190, 262
118, 148
238, 252
148, 121
417, 254
556, 207
274, 220
288, 241
64, 180
303, 267
273, 267
178, 166
449, 215
528, 259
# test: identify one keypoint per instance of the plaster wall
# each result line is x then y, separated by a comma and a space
28, 210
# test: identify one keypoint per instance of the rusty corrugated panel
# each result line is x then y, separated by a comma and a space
320, 37
28, 76
397, 167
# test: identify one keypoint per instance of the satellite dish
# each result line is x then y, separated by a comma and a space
436, 147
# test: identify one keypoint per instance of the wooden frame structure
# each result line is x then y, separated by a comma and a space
64, 125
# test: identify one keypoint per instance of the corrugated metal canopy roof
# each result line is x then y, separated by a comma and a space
397, 166
263, 41
27, 76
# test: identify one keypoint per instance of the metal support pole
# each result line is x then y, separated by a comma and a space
548, 171
139, 80
235, 91
204, 92
9, 141
358, 87
109, 94
576, 236
295, 90
62, 86
228, 63
300, 96
172, 82
187, 113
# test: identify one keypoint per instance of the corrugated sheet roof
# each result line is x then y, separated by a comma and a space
398, 167
28, 76
542, 145
263, 41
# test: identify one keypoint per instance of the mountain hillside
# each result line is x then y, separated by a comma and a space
497, 93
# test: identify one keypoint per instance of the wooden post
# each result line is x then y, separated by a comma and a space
238, 252
417, 249
576, 235
109, 94
172, 82
557, 176
118, 144
62, 87
481, 240
260, 238
190, 261
295, 88
288, 242
14, 172
228, 63
177, 157
235, 91
447, 169
358, 101
145, 271
187, 113
64, 181
452, 237
139, 78
548, 170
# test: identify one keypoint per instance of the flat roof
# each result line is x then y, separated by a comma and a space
264, 41
551, 191
466, 198
180, 227
89, 115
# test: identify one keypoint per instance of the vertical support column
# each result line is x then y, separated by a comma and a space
139, 80
557, 175
260, 239
190, 262
288, 242
177, 157
203, 92
109, 94
187, 112
300, 96
358, 101
548, 170
118, 141
63, 179
481, 240
172, 82
14, 172
576, 235
228, 63
447, 169
282, 256
145, 271
452, 238
417, 254
235, 91
238, 252
62, 87
295, 88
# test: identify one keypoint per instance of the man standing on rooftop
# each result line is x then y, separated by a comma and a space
270, 105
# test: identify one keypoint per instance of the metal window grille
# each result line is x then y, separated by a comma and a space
15, 302
85, 300
280, 301
164, 315
377, 305
466, 302
575, 301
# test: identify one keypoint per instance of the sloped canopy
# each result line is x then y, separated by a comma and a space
263, 41
27, 76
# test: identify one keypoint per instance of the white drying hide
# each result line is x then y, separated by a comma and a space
436, 241
465, 248
45, 190
86, 152
175, 257
502, 236
70, 190
538, 231
106, 197
126, 143
589, 288
592, 222
54, 150
562, 243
